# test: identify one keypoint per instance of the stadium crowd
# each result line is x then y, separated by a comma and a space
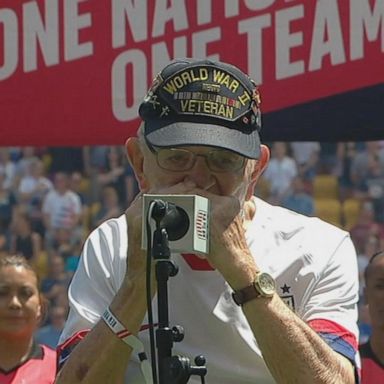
51, 198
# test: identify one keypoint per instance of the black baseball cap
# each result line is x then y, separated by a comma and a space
203, 102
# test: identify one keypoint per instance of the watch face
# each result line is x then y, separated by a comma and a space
267, 284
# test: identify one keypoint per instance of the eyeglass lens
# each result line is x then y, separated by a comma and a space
176, 159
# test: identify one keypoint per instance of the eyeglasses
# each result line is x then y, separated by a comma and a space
178, 159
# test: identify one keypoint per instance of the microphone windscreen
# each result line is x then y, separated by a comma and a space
176, 222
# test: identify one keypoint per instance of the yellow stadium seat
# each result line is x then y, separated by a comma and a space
85, 185
47, 161
350, 210
95, 208
325, 187
329, 210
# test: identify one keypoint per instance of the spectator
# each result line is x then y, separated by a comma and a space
298, 199
15, 153
49, 334
62, 300
8, 169
371, 188
7, 202
114, 174
79, 184
306, 155
97, 157
372, 352
110, 206
95, 163
61, 208
329, 158
72, 259
22, 359
365, 226
371, 246
24, 240
282, 169
64, 239
27, 156
57, 280
362, 162
68, 247
33, 184
33, 188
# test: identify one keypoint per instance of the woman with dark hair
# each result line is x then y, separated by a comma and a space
22, 360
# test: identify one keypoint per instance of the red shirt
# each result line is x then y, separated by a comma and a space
372, 370
39, 368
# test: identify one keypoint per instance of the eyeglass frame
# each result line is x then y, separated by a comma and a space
156, 150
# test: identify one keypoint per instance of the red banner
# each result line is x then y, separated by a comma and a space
72, 72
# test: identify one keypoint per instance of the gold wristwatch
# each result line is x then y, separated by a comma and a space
263, 286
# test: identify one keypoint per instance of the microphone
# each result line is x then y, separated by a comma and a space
172, 218
185, 218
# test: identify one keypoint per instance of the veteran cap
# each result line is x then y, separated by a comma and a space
202, 102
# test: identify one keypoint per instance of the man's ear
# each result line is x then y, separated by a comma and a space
136, 159
259, 167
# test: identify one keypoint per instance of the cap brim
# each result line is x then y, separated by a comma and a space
186, 133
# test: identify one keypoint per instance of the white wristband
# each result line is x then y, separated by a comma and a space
134, 342
118, 329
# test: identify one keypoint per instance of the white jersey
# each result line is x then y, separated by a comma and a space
313, 262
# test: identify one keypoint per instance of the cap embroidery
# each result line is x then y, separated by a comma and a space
209, 95
164, 111
152, 99
203, 91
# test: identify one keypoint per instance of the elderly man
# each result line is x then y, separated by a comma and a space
274, 300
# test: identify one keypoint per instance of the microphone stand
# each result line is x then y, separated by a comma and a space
172, 369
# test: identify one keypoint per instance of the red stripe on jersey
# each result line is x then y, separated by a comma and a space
328, 326
73, 340
64, 349
197, 263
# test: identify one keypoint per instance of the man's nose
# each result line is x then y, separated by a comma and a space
200, 173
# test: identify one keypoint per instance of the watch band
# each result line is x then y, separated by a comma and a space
264, 285
246, 294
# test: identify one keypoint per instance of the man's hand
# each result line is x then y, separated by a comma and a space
136, 260
229, 252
